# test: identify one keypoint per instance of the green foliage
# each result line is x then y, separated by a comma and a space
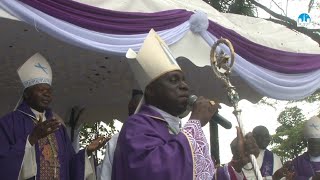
314, 97
267, 101
242, 7
89, 132
220, 5
289, 141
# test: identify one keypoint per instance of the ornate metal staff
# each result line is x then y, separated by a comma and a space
221, 64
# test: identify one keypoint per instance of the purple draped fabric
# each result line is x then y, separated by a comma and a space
267, 164
146, 150
269, 58
108, 21
115, 22
304, 168
14, 129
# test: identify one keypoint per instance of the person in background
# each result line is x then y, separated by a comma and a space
106, 167
307, 165
34, 144
241, 149
268, 162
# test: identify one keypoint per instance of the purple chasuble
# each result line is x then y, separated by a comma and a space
267, 164
146, 150
222, 173
226, 173
14, 130
304, 168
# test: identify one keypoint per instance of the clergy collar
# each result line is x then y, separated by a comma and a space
174, 122
25, 109
38, 114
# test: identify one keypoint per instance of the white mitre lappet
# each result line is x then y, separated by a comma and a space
312, 128
36, 70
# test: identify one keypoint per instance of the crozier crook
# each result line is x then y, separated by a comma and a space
221, 64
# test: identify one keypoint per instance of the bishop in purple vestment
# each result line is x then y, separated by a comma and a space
152, 144
34, 145
307, 165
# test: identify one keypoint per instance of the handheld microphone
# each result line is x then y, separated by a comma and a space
215, 118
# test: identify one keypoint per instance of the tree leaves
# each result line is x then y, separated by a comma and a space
289, 141
249, 8
89, 132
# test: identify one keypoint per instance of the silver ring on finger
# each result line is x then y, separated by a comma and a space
49, 129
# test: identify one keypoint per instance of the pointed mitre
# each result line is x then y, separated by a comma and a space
36, 70
153, 60
312, 128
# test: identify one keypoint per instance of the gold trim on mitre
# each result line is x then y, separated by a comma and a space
152, 61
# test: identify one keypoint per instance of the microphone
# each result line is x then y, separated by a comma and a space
215, 118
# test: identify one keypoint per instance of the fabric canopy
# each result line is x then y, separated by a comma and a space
273, 60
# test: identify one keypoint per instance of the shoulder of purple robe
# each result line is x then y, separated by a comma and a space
302, 166
146, 150
226, 173
222, 173
14, 130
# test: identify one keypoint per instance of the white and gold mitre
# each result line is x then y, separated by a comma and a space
153, 60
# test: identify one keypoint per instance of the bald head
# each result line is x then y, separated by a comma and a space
262, 136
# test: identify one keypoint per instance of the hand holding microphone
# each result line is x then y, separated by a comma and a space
206, 110
202, 109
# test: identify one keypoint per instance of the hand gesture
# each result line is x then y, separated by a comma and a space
244, 147
97, 144
238, 151
251, 146
43, 129
284, 171
203, 110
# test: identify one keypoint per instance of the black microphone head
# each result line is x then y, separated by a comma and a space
192, 99
217, 118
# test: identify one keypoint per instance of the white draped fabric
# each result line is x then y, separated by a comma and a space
267, 82
273, 84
